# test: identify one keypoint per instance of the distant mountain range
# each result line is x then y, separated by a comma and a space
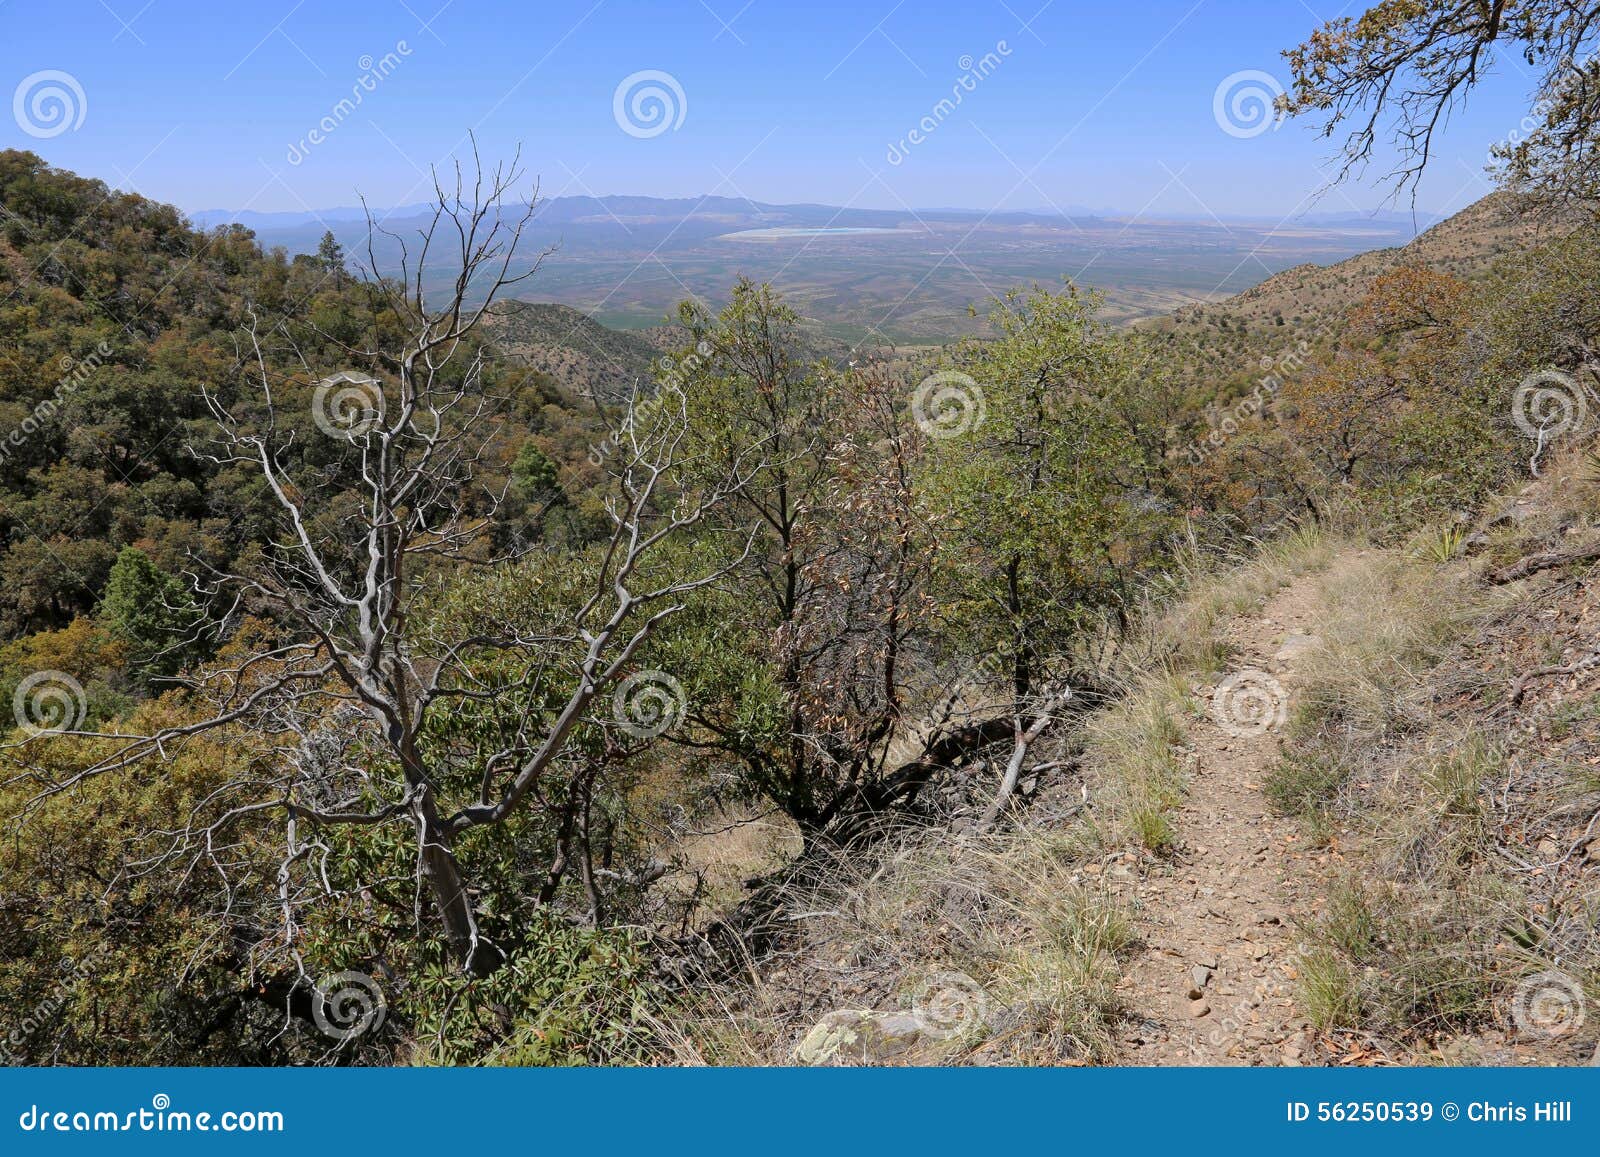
905, 277
569, 209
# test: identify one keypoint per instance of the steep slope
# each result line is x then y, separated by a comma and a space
1308, 296
585, 357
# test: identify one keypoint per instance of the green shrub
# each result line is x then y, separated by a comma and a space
1307, 781
1329, 994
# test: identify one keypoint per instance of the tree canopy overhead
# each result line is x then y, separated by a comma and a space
1397, 72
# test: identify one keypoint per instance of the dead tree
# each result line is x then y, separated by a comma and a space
355, 653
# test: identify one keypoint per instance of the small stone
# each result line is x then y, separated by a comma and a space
1199, 975
860, 1036
1198, 1009
1295, 646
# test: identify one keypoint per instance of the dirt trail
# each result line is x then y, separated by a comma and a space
1215, 984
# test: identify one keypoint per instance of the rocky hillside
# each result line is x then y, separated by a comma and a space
585, 357
1306, 296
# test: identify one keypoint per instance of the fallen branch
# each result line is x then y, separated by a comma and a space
1019, 752
1520, 687
1543, 561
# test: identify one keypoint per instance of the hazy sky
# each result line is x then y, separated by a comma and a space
1066, 103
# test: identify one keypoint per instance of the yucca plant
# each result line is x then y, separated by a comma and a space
1440, 544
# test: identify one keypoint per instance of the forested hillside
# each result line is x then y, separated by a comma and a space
342, 642
401, 673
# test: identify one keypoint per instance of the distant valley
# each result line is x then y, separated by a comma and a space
866, 274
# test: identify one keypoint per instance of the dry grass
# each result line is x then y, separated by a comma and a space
1328, 993
1389, 618
1404, 755
1133, 755
1391, 956
1008, 914
727, 848
1189, 635
1015, 911
1134, 752
1442, 902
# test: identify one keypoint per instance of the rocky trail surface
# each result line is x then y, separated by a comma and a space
1215, 982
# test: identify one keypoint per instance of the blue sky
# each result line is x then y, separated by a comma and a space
211, 105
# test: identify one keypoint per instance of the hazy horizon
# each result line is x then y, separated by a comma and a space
1158, 109
346, 212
